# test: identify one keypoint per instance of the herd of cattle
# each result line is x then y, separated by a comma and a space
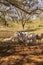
25, 37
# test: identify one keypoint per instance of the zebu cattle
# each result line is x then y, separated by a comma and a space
25, 38
39, 37
31, 38
22, 37
15, 37
19, 37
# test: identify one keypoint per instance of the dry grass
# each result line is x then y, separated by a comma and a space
15, 54
36, 25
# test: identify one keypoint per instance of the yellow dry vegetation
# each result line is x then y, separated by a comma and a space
35, 26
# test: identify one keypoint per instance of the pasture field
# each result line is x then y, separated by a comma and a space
16, 54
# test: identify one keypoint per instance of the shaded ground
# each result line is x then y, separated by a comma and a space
15, 54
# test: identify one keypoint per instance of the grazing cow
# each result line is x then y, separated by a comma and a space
23, 36
30, 39
32, 36
15, 37
39, 37
31, 42
19, 36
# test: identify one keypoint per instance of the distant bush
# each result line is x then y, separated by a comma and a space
40, 25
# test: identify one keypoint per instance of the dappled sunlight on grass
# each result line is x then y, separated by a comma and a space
14, 26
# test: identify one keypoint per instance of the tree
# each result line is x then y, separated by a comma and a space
29, 7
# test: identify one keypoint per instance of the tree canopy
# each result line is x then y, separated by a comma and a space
20, 9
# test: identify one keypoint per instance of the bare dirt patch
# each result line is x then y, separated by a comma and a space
15, 54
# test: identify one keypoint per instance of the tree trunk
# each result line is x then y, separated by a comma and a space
23, 24
5, 23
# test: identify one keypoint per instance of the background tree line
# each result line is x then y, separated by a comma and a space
19, 10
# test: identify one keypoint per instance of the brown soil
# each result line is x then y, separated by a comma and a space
15, 54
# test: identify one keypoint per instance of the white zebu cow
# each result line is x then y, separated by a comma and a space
31, 38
